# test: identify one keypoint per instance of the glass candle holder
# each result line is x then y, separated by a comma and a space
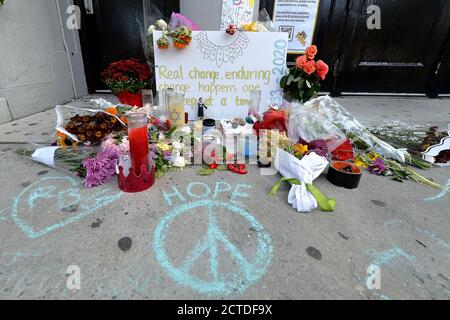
175, 102
254, 103
138, 137
147, 99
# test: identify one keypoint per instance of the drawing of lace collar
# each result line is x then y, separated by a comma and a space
221, 54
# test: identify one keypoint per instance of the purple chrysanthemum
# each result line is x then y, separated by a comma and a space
378, 167
167, 155
101, 168
318, 146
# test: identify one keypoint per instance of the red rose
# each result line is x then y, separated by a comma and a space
322, 69
310, 67
301, 61
311, 52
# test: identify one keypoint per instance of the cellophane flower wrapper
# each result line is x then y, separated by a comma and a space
67, 159
151, 15
305, 170
266, 21
338, 115
65, 113
178, 20
309, 125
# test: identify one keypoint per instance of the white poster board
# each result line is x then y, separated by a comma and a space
223, 70
297, 18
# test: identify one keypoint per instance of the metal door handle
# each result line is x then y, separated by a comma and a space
89, 6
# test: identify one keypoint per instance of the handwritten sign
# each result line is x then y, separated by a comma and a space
223, 70
297, 18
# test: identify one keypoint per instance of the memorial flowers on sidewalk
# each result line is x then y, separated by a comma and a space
126, 79
303, 81
382, 166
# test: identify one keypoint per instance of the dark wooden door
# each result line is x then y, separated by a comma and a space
409, 54
112, 31
441, 83
402, 56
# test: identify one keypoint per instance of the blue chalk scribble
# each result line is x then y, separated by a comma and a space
235, 282
69, 195
441, 194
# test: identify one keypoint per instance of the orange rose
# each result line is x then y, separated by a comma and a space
310, 67
311, 52
301, 61
322, 69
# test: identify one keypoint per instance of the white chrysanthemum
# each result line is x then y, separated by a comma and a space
151, 29
179, 162
161, 24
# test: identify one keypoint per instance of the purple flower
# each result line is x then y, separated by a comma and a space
378, 167
101, 168
318, 146
167, 155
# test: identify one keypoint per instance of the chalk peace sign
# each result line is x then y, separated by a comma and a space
215, 281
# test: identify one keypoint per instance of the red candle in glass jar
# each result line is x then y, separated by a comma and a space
138, 137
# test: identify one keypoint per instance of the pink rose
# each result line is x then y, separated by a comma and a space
301, 61
311, 52
310, 67
322, 69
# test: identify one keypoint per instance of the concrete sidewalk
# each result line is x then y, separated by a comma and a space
192, 237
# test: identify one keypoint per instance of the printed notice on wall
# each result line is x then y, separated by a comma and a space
298, 19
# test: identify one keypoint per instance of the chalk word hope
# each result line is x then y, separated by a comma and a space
246, 271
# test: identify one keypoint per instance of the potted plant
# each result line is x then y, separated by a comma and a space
303, 81
126, 79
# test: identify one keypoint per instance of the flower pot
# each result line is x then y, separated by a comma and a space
131, 99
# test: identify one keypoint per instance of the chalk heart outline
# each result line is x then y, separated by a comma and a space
100, 200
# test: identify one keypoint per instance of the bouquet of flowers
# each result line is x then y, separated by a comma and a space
303, 81
126, 79
300, 164
181, 35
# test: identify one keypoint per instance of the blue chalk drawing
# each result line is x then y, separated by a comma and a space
386, 257
441, 194
69, 195
2, 216
248, 272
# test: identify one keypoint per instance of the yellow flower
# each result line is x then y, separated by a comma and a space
373, 156
359, 163
163, 146
300, 149
249, 26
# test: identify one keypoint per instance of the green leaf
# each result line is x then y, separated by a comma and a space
205, 172
290, 79
283, 81
222, 168
308, 84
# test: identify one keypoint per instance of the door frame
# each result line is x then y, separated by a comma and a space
89, 33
